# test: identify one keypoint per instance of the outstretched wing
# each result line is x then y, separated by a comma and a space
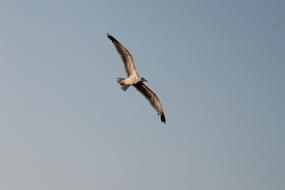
152, 98
125, 55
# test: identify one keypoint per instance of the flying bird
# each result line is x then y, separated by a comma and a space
133, 79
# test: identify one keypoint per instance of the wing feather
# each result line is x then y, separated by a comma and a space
125, 55
152, 98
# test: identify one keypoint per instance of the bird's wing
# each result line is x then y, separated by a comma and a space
152, 98
125, 55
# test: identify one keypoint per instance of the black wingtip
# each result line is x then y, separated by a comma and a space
162, 118
111, 38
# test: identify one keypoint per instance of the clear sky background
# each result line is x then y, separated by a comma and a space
217, 66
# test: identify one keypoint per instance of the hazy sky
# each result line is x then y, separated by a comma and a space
217, 66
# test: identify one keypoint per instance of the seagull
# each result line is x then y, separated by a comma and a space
133, 79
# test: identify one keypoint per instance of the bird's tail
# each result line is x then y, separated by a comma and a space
123, 87
119, 80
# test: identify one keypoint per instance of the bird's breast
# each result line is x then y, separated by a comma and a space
132, 80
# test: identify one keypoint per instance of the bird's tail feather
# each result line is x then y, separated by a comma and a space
119, 80
123, 87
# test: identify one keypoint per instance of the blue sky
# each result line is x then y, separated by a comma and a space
217, 66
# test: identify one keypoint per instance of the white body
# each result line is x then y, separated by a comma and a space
131, 80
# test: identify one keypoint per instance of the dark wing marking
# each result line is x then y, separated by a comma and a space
125, 55
152, 98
